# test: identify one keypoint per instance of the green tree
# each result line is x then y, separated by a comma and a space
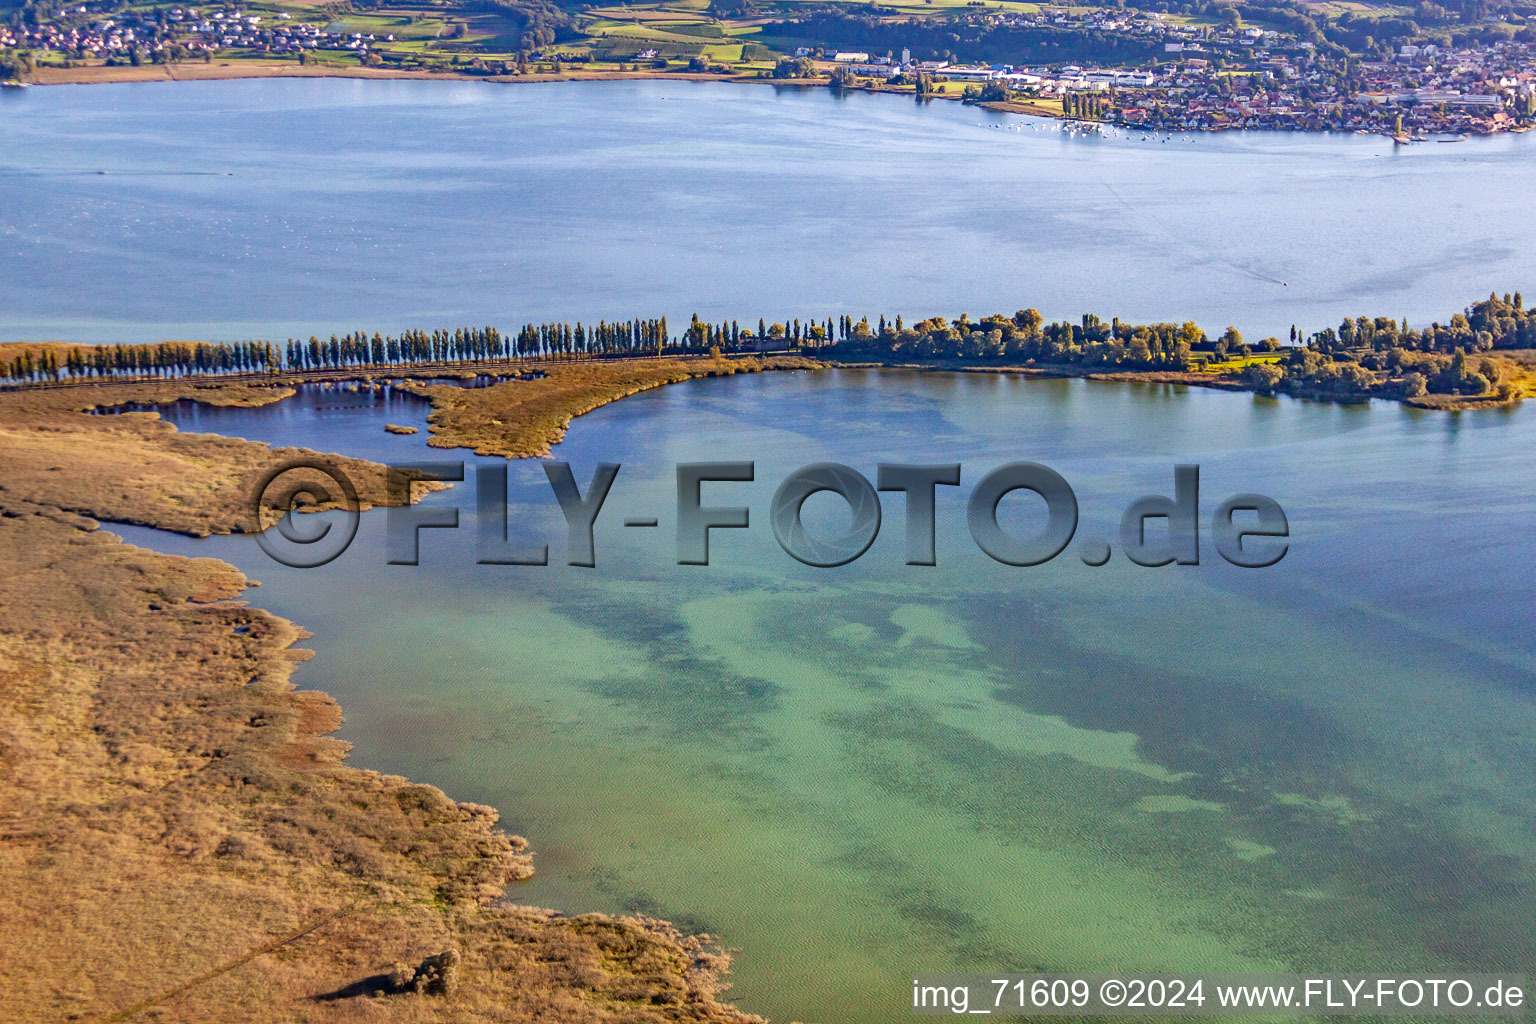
1264, 377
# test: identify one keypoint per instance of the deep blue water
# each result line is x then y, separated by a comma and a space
222, 210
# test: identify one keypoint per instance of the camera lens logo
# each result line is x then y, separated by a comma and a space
862, 501
294, 487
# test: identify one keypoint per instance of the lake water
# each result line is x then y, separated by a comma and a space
854, 774
223, 210
339, 417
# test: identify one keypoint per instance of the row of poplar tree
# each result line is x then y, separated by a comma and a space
358, 349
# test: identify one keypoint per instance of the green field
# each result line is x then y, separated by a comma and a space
1234, 364
545, 36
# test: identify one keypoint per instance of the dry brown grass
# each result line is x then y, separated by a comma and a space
523, 419
137, 468
1520, 368
180, 838
169, 805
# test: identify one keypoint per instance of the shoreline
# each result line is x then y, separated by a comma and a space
513, 421
219, 785
148, 630
99, 74
463, 418
1189, 378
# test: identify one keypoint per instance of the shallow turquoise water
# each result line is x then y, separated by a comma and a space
281, 208
853, 774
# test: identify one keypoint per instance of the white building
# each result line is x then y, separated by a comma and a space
970, 73
1449, 97
1123, 79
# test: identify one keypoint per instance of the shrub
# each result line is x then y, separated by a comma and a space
1264, 377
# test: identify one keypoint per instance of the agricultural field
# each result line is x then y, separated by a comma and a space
1205, 364
1282, 82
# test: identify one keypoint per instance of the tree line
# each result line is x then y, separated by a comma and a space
1362, 356
360, 350
1368, 356
1026, 336
1496, 322
346, 351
